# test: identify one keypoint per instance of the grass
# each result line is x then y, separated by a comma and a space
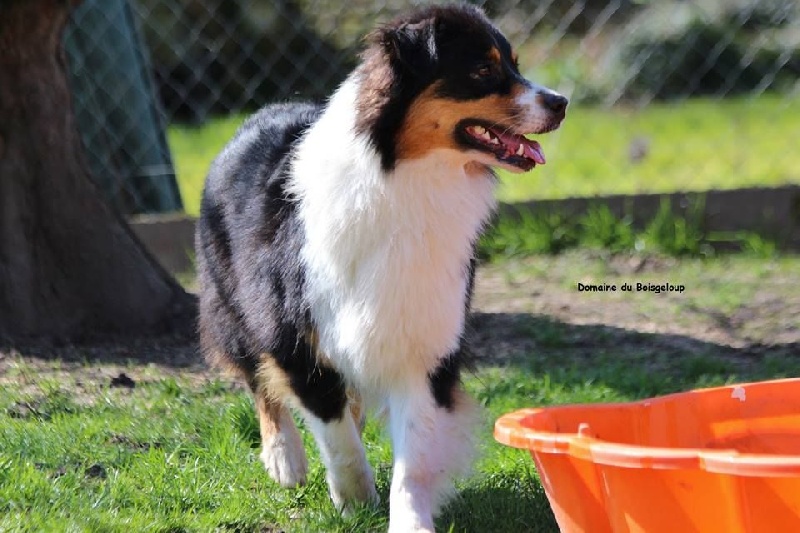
170, 456
193, 148
179, 454
749, 297
693, 145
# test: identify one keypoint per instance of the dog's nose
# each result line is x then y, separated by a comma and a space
554, 102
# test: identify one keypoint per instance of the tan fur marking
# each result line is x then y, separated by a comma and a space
222, 361
475, 169
273, 389
312, 339
494, 55
273, 383
269, 416
517, 89
216, 357
356, 405
431, 120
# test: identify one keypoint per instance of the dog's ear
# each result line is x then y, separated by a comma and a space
412, 45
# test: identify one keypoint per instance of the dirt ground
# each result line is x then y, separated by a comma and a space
766, 310
523, 308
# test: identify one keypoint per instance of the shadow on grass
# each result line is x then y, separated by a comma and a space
592, 359
635, 364
539, 342
518, 505
179, 351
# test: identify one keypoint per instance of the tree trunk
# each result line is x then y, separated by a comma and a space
69, 266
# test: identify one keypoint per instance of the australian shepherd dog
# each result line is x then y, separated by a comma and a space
336, 253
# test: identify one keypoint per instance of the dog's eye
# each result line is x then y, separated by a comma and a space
483, 71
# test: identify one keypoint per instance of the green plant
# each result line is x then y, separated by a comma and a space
679, 65
530, 233
762, 15
600, 228
676, 235
527, 233
697, 367
244, 420
749, 242
756, 245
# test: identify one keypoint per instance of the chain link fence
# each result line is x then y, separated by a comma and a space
626, 64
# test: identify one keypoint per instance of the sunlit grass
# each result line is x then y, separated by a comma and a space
168, 456
193, 149
172, 457
175, 454
692, 145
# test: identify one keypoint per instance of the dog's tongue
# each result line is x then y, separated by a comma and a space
534, 151
531, 149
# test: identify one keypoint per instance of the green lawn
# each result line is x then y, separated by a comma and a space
692, 145
193, 149
179, 452
171, 456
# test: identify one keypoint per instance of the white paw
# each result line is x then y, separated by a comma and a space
352, 486
409, 527
409, 504
285, 460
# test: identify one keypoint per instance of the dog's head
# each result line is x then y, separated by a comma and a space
446, 78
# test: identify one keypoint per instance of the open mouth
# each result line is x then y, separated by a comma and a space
509, 148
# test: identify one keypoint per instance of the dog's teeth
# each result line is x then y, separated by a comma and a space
479, 130
494, 140
487, 136
521, 150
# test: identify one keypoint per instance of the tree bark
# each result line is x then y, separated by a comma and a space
69, 266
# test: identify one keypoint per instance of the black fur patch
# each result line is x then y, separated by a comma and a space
248, 247
444, 379
320, 388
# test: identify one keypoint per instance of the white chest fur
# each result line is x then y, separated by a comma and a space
386, 255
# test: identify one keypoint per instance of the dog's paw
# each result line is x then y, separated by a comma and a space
352, 488
285, 460
409, 520
409, 528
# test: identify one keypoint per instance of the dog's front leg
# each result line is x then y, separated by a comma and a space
349, 475
432, 444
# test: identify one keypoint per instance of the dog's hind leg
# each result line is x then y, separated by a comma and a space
282, 450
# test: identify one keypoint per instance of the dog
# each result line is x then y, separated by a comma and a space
336, 253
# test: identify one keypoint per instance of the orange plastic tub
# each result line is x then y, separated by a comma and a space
725, 459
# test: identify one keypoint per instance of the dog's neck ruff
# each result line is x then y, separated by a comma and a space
386, 254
